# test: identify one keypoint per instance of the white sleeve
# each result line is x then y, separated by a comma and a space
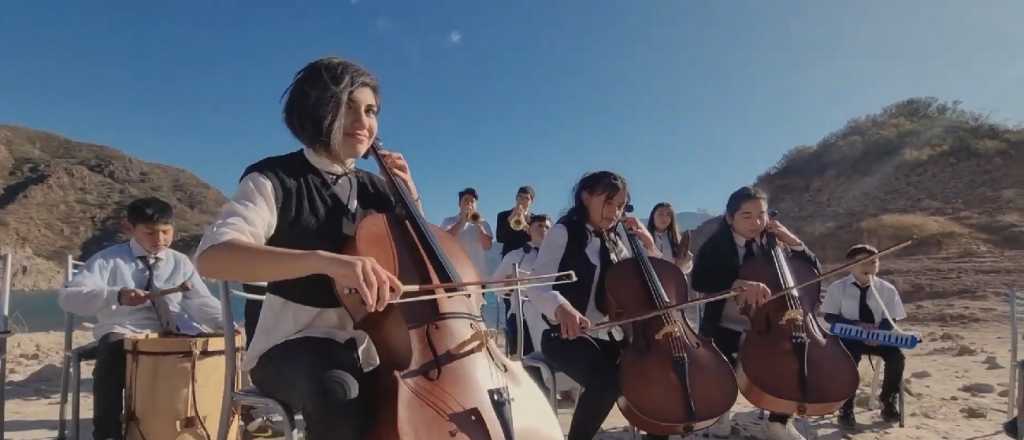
88, 293
200, 304
250, 216
504, 268
548, 258
833, 299
487, 228
894, 303
448, 222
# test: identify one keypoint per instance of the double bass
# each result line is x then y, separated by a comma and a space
441, 376
673, 381
788, 362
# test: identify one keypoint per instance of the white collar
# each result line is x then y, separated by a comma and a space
324, 164
740, 241
853, 280
139, 251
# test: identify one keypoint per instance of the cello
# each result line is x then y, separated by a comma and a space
788, 362
672, 380
440, 374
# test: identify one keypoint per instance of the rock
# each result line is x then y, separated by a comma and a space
974, 412
965, 350
921, 374
993, 363
1004, 393
947, 336
979, 388
30, 356
47, 374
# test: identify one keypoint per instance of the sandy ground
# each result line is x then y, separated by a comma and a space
956, 381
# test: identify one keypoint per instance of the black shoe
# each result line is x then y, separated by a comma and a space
1010, 428
890, 409
847, 420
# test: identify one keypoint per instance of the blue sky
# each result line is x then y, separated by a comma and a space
687, 99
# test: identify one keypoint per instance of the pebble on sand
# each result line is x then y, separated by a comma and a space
921, 374
965, 350
974, 412
979, 388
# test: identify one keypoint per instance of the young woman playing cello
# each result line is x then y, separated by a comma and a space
740, 236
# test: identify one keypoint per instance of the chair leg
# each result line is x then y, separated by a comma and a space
553, 392
65, 373
903, 413
76, 383
876, 376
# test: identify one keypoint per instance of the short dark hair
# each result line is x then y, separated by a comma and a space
539, 218
316, 98
149, 211
527, 189
468, 191
860, 249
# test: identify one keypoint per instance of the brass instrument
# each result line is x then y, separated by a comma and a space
517, 220
474, 217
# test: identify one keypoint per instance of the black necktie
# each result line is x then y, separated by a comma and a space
750, 251
866, 315
164, 313
149, 272
605, 258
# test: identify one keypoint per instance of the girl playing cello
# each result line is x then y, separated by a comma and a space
740, 236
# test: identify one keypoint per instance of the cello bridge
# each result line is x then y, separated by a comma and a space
792, 316
673, 329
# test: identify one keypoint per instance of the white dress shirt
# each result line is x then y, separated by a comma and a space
251, 216
531, 314
469, 238
549, 257
664, 244
843, 298
94, 290
668, 250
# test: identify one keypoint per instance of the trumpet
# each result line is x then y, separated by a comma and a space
517, 219
474, 217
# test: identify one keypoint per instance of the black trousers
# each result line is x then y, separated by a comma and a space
728, 342
594, 364
894, 364
108, 387
252, 316
302, 374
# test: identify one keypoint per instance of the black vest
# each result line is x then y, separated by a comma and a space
575, 259
311, 216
